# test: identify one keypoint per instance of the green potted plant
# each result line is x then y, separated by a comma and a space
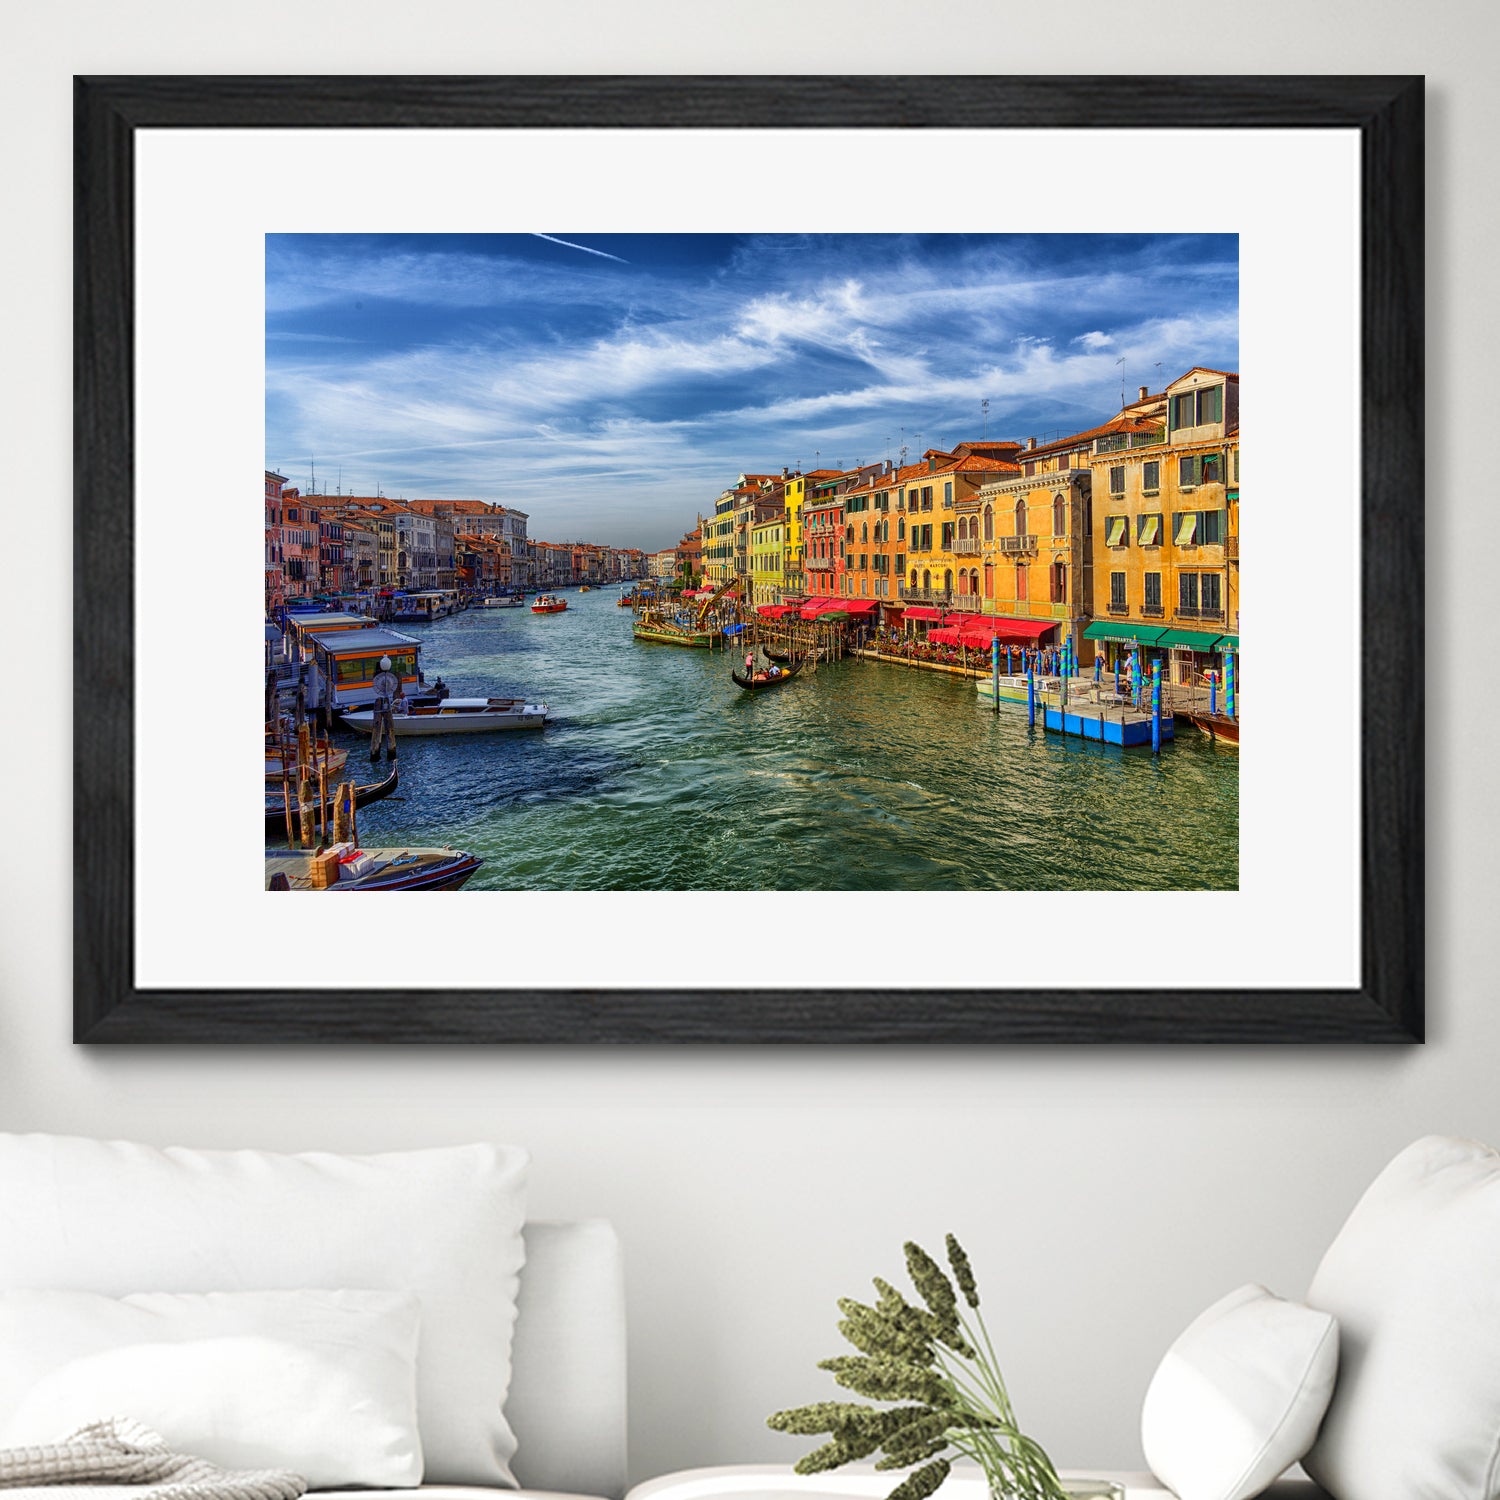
934, 1370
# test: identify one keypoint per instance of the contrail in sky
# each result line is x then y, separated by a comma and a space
571, 246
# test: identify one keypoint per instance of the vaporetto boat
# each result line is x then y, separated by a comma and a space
460, 716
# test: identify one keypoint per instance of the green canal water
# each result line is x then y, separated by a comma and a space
658, 773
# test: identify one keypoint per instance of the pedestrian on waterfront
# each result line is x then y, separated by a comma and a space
1098, 667
382, 728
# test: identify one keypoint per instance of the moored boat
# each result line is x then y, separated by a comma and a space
502, 601
548, 604
378, 870
671, 633
459, 716
323, 755
363, 795
1218, 727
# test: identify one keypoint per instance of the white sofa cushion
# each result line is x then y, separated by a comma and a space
321, 1383
1413, 1278
1236, 1401
444, 1224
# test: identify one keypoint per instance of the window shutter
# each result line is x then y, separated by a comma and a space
1187, 528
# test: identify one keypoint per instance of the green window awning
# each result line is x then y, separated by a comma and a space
1187, 529
1191, 640
1115, 531
1227, 643
1121, 630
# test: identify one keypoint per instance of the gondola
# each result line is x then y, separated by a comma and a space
276, 812
754, 687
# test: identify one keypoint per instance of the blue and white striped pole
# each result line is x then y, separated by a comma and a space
995, 669
1156, 708
1229, 684
1135, 678
1030, 697
1213, 693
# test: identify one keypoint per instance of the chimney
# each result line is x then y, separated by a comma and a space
1145, 391
784, 471
1030, 444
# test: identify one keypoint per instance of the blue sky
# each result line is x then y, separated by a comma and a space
613, 385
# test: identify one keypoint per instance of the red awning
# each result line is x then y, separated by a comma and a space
922, 612
977, 638
851, 606
947, 636
772, 611
1017, 631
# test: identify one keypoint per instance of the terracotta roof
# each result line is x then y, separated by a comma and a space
1227, 374
1119, 423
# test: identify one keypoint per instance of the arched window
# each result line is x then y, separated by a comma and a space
914, 578
864, 532
1021, 594
900, 528
1059, 516
1059, 583
849, 532
989, 580
947, 580
963, 528
1020, 518
989, 523
926, 579
963, 582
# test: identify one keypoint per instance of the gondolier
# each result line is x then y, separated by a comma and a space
387, 690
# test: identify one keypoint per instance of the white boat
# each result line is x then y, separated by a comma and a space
460, 716
502, 601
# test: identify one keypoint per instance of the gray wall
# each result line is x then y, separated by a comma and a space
1105, 1195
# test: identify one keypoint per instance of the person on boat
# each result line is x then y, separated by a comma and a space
387, 694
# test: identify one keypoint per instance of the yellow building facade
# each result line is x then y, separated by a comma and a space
1166, 542
767, 559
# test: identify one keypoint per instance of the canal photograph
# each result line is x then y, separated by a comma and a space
752, 563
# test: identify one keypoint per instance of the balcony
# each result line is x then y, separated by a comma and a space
1153, 611
929, 596
967, 547
1198, 612
1018, 544
1120, 608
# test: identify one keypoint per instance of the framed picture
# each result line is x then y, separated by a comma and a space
723, 345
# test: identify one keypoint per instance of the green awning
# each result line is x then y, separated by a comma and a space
1193, 640
1227, 643
1123, 630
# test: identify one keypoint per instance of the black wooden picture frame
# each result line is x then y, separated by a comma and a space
1388, 1004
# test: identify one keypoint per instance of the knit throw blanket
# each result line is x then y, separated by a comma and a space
120, 1451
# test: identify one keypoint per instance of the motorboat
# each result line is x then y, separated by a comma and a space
548, 604
502, 601
370, 870
458, 716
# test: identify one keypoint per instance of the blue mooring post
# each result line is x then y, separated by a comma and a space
1030, 697
1229, 693
1117, 674
1156, 708
995, 669
1213, 693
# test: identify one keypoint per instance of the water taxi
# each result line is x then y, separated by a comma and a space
502, 601
548, 604
345, 664
370, 870
459, 716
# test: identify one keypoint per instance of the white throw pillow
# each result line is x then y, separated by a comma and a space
444, 1224
321, 1383
1237, 1399
1414, 1279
